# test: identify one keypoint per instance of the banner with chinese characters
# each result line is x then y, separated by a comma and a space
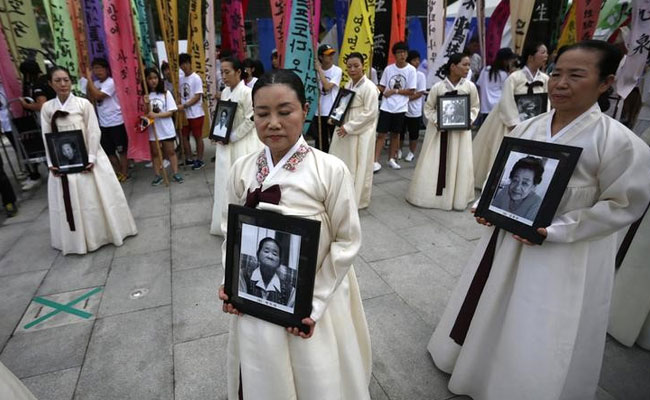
142, 31
300, 53
76, 17
543, 22
521, 12
19, 29
587, 18
380, 49
569, 33
454, 41
94, 18
358, 34
9, 76
168, 19
341, 10
435, 34
196, 50
612, 14
125, 70
495, 28
397, 26
209, 42
232, 19
638, 48
65, 50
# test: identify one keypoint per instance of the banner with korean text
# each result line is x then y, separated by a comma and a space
142, 31
381, 40
638, 48
168, 19
209, 43
587, 12
65, 50
280, 10
521, 12
569, 33
435, 33
9, 76
196, 50
232, 17
76, 17
359, 34
19, 29
96, 38
495, 28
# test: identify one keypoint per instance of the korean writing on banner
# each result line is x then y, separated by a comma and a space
209, 43
197, 52
65, 51
358, 34
495, 28
142, 30
76, 17
381, 40
9, 76
587, 18
233, 17
454, 41
521, 12
93, 15
19, 28
300, 53
315, 6
569, 33
435, 31
279, 11
638, 49
168, 18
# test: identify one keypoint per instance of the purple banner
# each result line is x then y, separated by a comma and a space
94, 17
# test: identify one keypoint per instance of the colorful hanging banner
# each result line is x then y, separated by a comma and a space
94, 18
65, 50
397, 26
380, 50
358, 34
195, 48
142, 31
76, 16
210, 47
435, 34
541, 23
569, 31
638, 49
232, 17
300, 53
587, 12
19, 29
265, 40
9, 76
416, 40
521, 12
168, 19
495, 28
125, 70
480, 27
314, 7
612, 14
341, 10
454, 41
279, 11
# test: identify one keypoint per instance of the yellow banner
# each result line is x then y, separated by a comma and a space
168, 18
359, 34
196, 49
569, 33
521, 12
19, 27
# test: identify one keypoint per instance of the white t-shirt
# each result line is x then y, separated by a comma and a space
159, 102
191, 85
5, 122
334, 75
109, 111
397, 78
489, 90
415, 106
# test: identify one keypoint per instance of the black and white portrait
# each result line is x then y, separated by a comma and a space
69, 154
522, 186
222, 121
67, 150
341, 105
531, 105
453, 112
268, 267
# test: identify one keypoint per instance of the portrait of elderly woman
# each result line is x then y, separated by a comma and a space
69, 155
518, 195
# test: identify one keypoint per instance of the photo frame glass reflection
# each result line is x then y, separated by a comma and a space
341, 106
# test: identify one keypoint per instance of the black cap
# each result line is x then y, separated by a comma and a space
30, 66
325, 49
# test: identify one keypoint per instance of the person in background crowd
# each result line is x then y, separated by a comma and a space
413, 116
191, 92
473, 50
253, 69
329, 77
167, 77
275, 59
491, 79
6, 190
109, 112
398, 82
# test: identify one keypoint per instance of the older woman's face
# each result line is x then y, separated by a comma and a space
269, 255
521, 184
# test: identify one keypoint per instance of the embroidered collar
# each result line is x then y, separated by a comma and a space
529, 74
274, 285
295, 155
452, 86
570, 126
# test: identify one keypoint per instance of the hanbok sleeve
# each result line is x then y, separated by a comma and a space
46, 118
92, 132
247, 125
431, 106
624, 195
368, 116
507, 107
340, 205
235, 194
474, 101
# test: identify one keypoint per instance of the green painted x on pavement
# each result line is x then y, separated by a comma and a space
62, 307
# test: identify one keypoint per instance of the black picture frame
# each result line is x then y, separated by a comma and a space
503, 205
67, 151
531, 105
341, 106
453, 112
222, 121
297, 239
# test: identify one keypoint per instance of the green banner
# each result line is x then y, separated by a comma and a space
19, 28
65, 50
612, 14
142, 32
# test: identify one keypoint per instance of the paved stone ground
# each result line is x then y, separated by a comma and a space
169, 342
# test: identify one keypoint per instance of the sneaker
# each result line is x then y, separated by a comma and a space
188, 162
11, 210
409, 157
30, 184
157, 180
166, 163
399, 154
121, 177
376, 167
393, 164
178, 178
198, 164
148, 165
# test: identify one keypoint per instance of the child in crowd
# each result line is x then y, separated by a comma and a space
191, 92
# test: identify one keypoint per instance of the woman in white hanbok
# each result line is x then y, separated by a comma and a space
332, 360
505, 115
444, 177
242, 140
97, 213
354, 140
539, 326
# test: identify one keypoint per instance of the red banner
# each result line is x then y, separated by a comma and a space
123, 59
9, 76
587, 18
495, 28
280, 11
397, 27
232, 28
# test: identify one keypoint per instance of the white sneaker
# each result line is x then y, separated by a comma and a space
409, 157
393, 164
30, 184
376, 167
148, 165
166, 163
399, 154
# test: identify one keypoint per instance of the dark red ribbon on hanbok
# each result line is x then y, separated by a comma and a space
464, 319
270, 195
65, 186
532, 84
442, 163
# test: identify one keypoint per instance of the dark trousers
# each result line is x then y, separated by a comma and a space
326, 133
6, 190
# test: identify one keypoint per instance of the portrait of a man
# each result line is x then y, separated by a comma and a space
69, 154
221, 127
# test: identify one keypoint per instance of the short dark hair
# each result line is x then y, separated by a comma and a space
355, 54
500, 62
284, 77
160, 87
236, 65
183, 58
454, 59
101, 62
268, 239
530, 50
30, 67
413, 54
399, 46
534, 164
57, 68
164, 66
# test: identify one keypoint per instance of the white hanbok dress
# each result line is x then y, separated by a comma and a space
101, 213
505, 114
335, 363
11, 387
540, 324
243, 140
357, 148
459, 187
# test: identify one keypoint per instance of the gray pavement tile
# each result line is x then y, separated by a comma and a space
395, 213
376, 391
16, 292
195, 211
193, 246
421, 283
9, 236
150, 204
197, 308
380, 242
401, 363
625, 372
129, 357
73, 271
28, 211
385, 175
149, 273
601, 394
460, 222
48, 350
200, 369
193, 187
406, 172
58, 385
370, 283
153, 235
32, 252
395, 188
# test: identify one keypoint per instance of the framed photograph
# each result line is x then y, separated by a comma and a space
526, 184
67, 151
271, 265
222, 120
531, 105
341, 106
453, 112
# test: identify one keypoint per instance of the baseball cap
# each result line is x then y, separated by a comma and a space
326, 49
